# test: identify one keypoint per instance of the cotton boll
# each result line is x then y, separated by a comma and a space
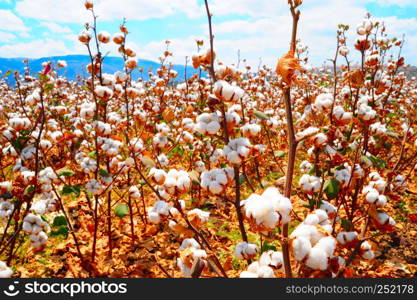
245, 250
343, 50
311, 219
104, 37
366, 251
189, 243
5, 271
347, 239
324, 101
233, 158
382, 201
305, 166
198, 217
273, 259
309, 232
246, 274
327, 244
329, 209
301, 248
266, 272
322, 215
310, 184
255, 270
317, 259
371, 195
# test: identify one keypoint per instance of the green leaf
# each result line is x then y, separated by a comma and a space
17, 144
260, 115
121, 210
267, 247
59, 221
148, 162
103, 173
29, 190
60, 230
331, 187
365, 159
48, 87
280, 153
67, 190
377, 162
241, 179
65, 172
92, 154
346, 224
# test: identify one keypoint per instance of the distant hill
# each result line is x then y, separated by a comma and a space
77, 66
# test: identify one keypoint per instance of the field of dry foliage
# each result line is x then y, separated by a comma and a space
278, 172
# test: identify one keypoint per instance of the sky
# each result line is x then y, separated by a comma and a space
258, 29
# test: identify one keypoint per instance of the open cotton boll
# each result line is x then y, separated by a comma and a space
374, 176
310, 184
384, 219
327, 244
309, 232
134, 192
317, 259
158, 175
237, 150
322, 215
94, 187
305, 166
323, 101
104, 37
273, 259
344, 50
262, 211
400, 183
246, 274
159, 211
280, 203
260, 271
198, 217
366, 251
311, 219
371, 194
103, 92
6, 209
250, 130
208, 123
301, 248
189, 243
330, 209
38, 240
379, 185
310, 131
320, 139
245, 250
5, 271
347, 238
366, 112
343, 176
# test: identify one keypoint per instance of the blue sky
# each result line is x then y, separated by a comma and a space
258, 28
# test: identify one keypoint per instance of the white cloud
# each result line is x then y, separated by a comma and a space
56, 28
268, 37
10, 22
74, 11
38, 48
6, 37
396, 2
